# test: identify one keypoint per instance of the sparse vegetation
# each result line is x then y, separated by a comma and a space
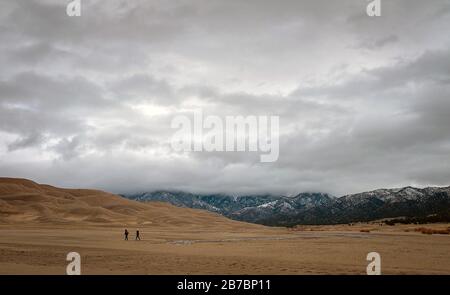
430, 231
435, 218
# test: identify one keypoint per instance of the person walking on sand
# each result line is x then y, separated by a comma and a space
126, 235
137, 235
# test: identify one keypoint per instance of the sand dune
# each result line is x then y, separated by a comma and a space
24, 201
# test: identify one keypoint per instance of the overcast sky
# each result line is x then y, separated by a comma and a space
364, 102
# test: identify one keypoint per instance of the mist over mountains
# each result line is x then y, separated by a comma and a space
313, 208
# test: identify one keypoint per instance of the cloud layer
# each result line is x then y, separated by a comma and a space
363, 102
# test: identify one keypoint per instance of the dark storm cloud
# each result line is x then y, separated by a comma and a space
428, 70
31, 140
47, 93
363, 102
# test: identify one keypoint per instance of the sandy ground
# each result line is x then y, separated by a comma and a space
28, 249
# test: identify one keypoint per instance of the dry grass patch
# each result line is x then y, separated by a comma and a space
430, 231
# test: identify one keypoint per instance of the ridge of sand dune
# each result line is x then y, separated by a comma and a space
25, 201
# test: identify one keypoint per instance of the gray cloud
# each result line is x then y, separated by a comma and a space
363, 102
375, 44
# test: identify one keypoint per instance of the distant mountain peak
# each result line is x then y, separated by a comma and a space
311, 207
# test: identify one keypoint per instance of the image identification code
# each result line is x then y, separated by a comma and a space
229, 284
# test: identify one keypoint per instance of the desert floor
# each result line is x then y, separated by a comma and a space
28, 249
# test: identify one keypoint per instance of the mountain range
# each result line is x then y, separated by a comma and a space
313, 208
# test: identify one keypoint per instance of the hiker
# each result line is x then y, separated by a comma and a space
126, 235
137, 235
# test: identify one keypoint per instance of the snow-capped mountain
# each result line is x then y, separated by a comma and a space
313, 208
